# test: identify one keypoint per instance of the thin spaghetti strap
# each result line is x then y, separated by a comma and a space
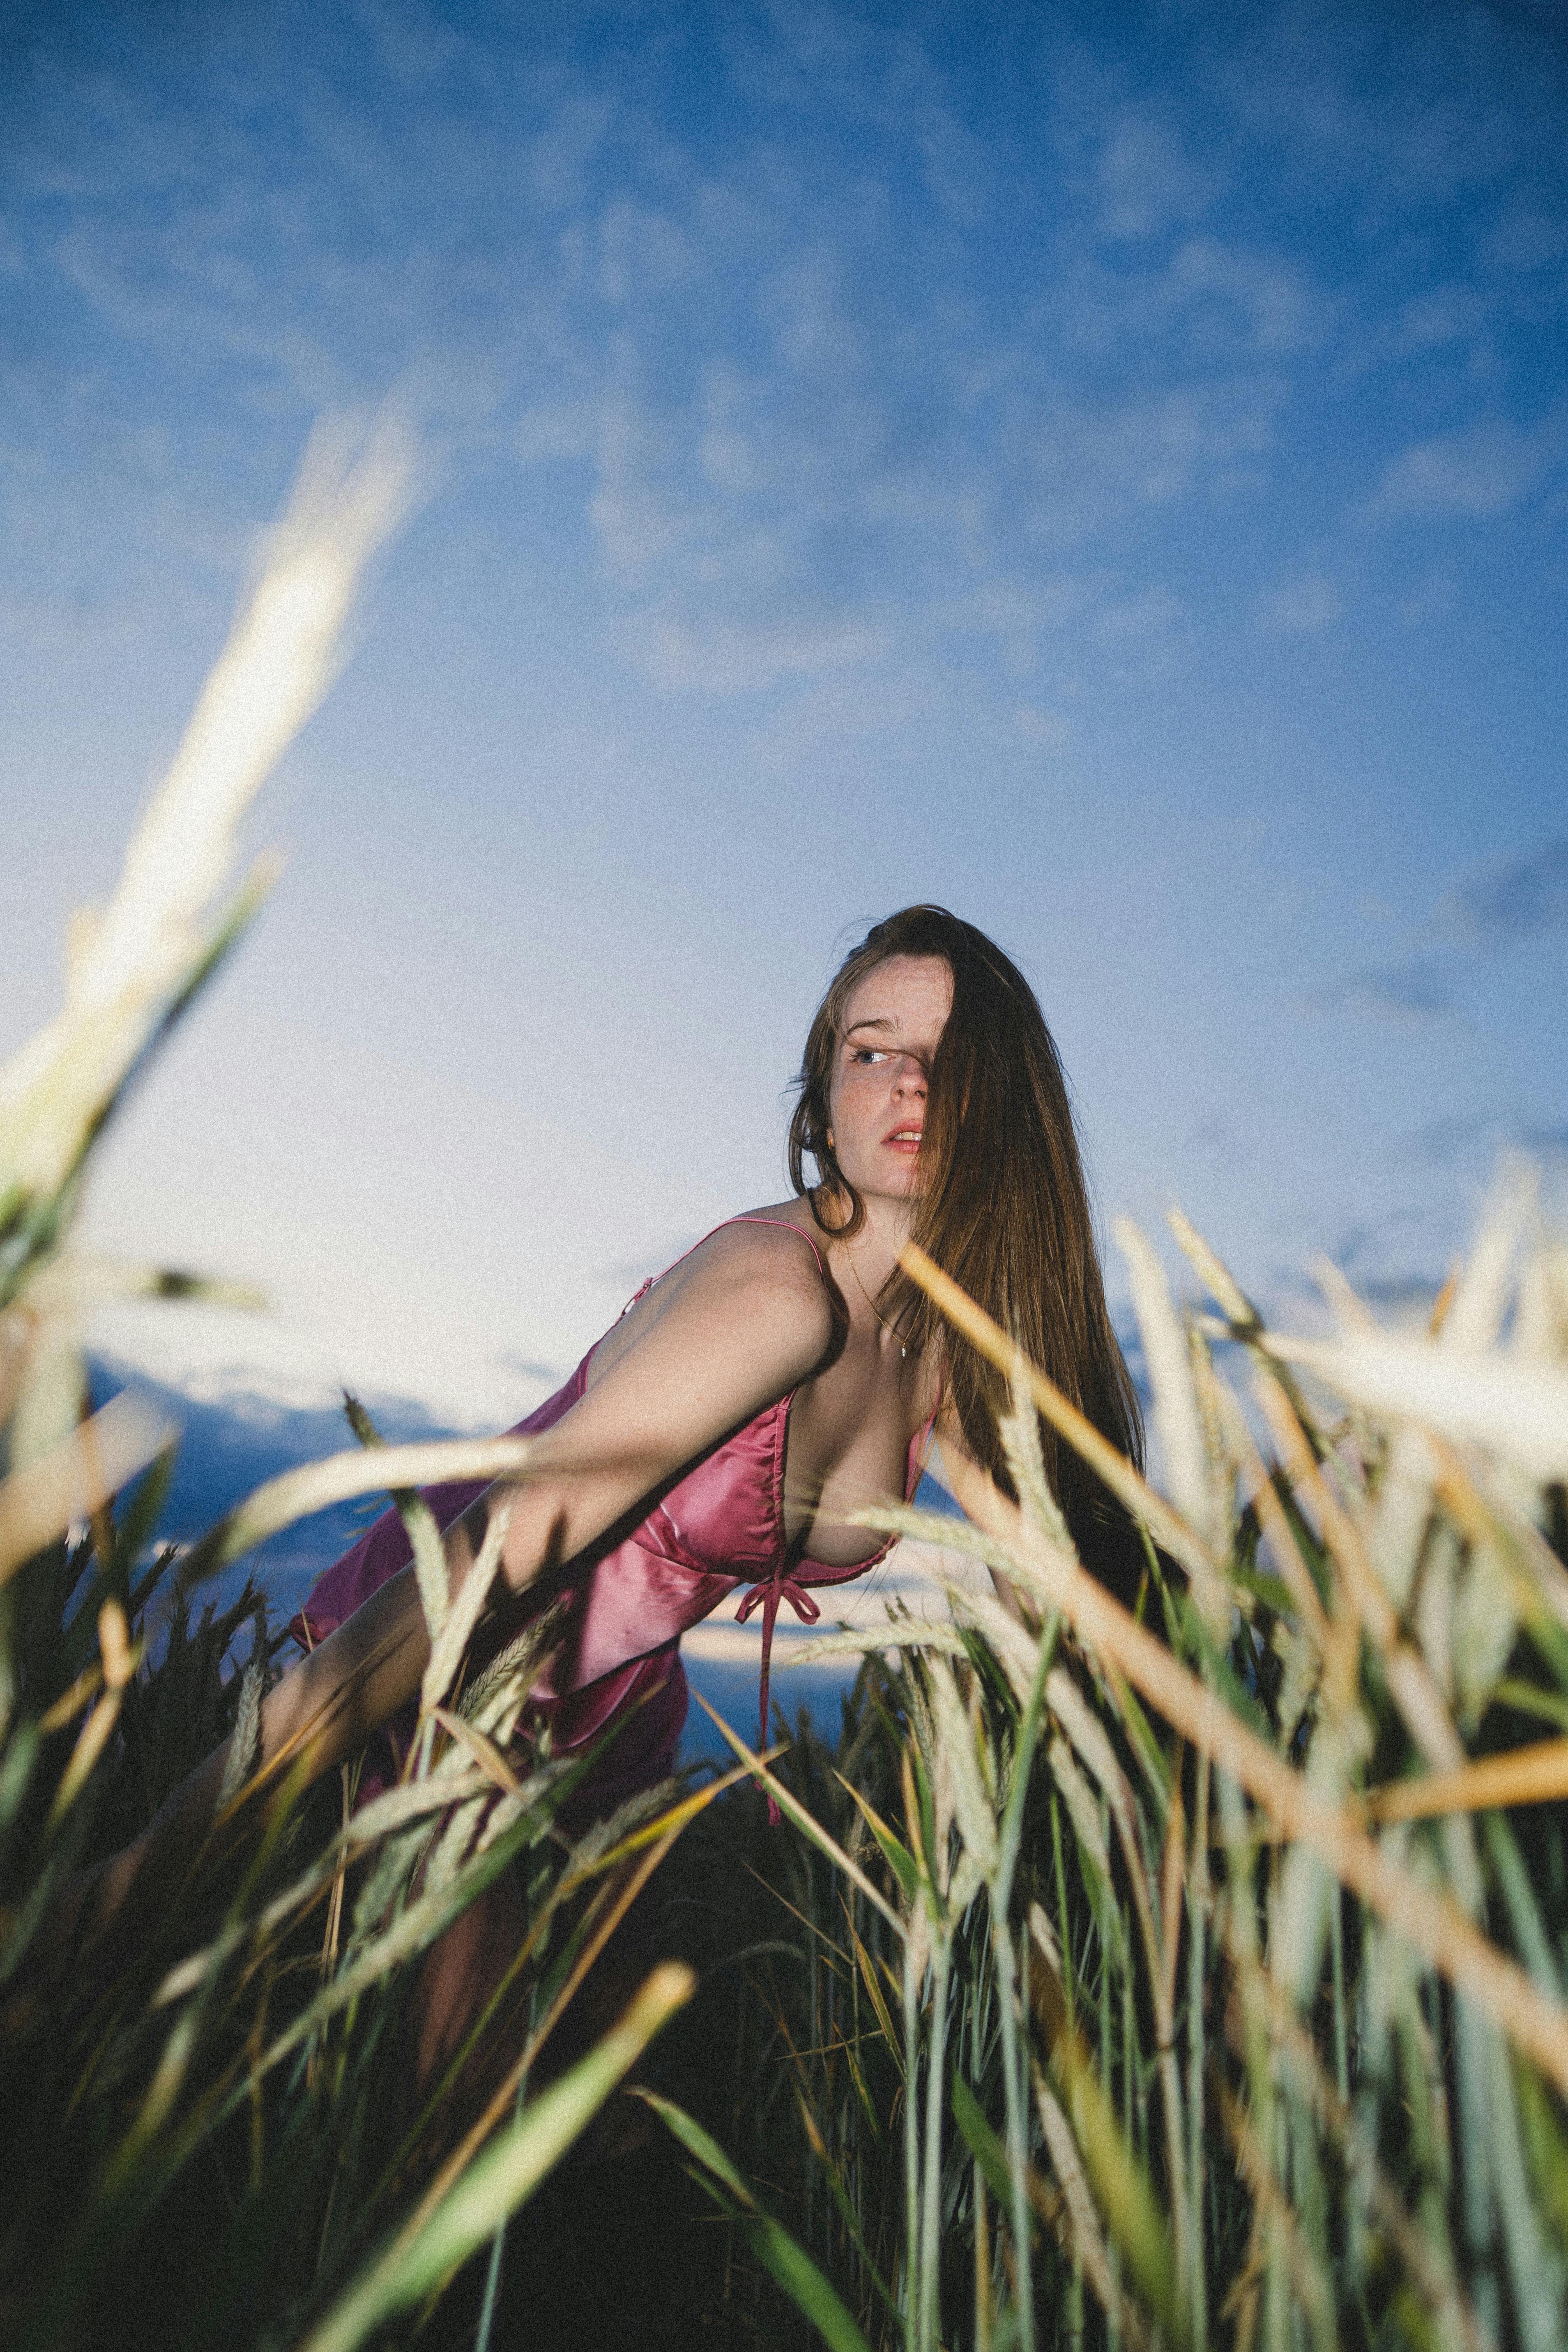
785, 1224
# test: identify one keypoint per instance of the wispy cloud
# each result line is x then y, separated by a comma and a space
1439, 1142
1480, 469
1300, 606
777, 387
1472, 1135
1408, 994
1212, 302
1278, 308
1515, 900
1438, 315
1476, 96
1099, 464
1048, 731
717, 657
1148, 178
1527, 238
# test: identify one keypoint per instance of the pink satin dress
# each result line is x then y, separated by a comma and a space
718, 1527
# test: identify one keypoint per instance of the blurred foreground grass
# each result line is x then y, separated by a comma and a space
209, 2132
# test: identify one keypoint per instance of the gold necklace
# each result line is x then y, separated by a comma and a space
889, 1327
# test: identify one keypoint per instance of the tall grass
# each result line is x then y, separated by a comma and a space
1197, 1976
209, 2133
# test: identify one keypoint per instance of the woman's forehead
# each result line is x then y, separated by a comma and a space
902, 996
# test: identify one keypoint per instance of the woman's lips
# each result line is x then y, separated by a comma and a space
906, 1140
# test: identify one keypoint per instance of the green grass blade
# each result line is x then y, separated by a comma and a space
895, 1853
811, 2293
794, 1810
699, 2144
983, 2143
500, 2179
786, 2261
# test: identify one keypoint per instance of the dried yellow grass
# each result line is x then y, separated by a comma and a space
1431, 1921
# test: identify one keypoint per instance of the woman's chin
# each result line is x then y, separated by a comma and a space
902, 1186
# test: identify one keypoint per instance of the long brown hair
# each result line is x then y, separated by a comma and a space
1003, 1208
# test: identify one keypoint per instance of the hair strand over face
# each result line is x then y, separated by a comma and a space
1003, 1208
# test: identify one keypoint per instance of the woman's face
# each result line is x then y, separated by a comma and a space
893, 1022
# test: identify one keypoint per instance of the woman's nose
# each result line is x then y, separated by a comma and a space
910, 1077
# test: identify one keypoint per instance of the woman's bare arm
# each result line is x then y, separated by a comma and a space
733, 1329
322, 1710
747, 1319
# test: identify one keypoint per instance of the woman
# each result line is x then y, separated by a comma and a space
780, 1377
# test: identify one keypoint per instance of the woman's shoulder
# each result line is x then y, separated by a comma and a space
782, 1229
777, 1246
755, 1286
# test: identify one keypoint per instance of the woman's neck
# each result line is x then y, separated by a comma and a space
874, 1249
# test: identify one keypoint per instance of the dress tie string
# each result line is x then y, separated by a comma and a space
766, 1597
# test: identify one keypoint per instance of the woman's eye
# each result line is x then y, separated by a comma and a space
867, 1053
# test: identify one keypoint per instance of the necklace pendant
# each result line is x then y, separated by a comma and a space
903, 1353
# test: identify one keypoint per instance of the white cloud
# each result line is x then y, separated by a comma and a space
1209, 304
796, 396
1514, 898
1527, 238
555, 169
1300, 606
1016, 615
1479, 469
643, 253
1048, 729
413, 45
838, 709
1280, 308
1147, 180
723, 658
808, 393
1442, 314
1097, 462
1409, 995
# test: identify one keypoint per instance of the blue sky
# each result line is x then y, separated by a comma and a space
1105, 469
